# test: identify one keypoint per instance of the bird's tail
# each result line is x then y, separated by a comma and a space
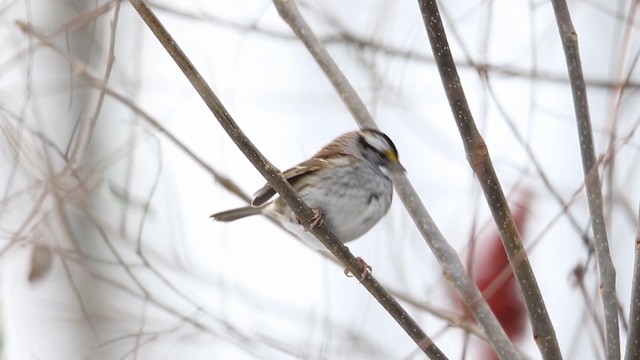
235, 214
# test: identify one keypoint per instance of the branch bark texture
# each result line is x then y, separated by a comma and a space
606, 269
480, 161
633, 338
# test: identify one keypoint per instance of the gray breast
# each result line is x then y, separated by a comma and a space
353, 199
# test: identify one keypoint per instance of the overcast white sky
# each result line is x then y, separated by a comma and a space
256, 290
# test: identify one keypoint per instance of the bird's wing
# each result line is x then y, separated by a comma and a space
292, 175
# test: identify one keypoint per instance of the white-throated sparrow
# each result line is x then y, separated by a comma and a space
347, 183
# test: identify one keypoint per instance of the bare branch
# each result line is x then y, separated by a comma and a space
607, 271
480, 161
344, 36
98, 83
633, 346
289, 13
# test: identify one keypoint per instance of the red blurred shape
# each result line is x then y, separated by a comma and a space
494, 277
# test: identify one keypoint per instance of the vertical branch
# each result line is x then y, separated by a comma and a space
607, 272
633, 337
480, 161
452, 267
275, 178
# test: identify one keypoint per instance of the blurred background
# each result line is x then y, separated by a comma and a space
109, 164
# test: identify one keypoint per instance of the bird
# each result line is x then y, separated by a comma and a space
348, 184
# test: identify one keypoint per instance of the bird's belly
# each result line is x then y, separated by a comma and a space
351, 216
351, 204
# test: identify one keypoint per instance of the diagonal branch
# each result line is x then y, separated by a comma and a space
480, 161
452, 267
276, 180
607, 271
288, 11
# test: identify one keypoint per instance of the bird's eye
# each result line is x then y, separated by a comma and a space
380, 144
373, 153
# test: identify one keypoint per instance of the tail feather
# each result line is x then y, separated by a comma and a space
235, 214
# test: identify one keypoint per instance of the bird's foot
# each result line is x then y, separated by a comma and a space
366, 269
316, 220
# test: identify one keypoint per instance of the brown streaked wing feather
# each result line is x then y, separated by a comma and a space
292, 175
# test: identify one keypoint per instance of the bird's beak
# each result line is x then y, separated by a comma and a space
394, 163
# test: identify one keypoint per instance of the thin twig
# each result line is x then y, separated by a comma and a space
276, 180
606, 269
579, 274
452, 267
480, 161
345, 36
98, 83
633, 337
537, 164
86, 129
